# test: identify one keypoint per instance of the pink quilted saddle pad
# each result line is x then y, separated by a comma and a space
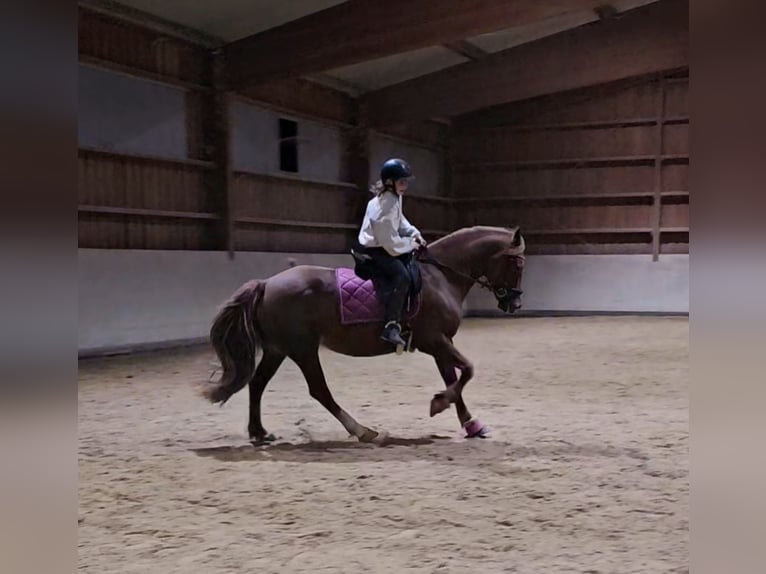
359, 301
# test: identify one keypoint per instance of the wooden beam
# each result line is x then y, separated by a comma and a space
447, 184
643, 41
140, 74
319, 225
465, 48
216, 146
414, 198
361, 30
560, 163
428, 134
523, 113
143, 158
606, 11
659, 136
305, 98
136, 212
135, 157
224, 165
288, 177
135, 48
148, 21
359, 141
574, 125
630, 198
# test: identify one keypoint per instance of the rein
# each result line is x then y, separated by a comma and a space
501, 292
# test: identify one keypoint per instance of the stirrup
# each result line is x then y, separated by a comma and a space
400, 343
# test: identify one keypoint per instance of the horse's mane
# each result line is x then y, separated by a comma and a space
468, 233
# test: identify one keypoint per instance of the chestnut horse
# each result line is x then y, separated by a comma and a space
295, 311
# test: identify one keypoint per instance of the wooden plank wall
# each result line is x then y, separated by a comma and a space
144, 203
603, 170
133, 201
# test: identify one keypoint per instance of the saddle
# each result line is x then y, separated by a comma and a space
359, 290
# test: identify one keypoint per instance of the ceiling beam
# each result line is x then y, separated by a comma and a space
360, 30
606, 11
646, 40
466, 49
148, 21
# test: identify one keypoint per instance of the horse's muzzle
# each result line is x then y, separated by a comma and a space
508, 300
509, 306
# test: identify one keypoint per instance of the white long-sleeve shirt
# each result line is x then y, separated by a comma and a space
385, 225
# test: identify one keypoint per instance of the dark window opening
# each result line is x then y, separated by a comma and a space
288, 145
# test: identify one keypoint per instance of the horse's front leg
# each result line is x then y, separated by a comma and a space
448, 358
447, 368
449, 375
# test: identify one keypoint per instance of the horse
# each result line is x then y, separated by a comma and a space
294, 312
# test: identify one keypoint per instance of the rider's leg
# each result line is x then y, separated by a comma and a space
397, 285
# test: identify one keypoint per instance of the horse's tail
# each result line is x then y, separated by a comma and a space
236, 339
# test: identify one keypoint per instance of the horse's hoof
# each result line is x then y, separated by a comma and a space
381, 439
266, 439
368, 435
475, 429
439, 404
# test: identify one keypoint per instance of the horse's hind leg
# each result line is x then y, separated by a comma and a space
312, 370
270, 363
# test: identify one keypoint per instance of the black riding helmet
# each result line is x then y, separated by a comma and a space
395, 169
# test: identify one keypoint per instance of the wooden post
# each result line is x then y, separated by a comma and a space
457, 218
217, 123
659, 138
359, 166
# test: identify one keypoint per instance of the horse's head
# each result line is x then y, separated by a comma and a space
504, 271
491, 256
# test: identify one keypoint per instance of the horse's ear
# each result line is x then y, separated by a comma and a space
517, 238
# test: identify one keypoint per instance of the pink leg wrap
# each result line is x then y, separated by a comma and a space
474, 427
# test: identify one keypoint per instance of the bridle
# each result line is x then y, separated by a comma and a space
503, 294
